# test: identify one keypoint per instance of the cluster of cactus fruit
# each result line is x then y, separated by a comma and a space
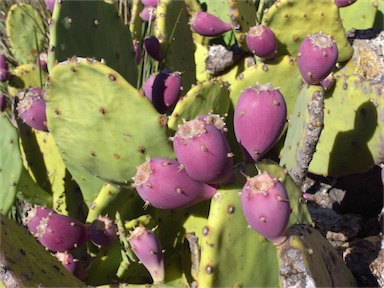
109, 108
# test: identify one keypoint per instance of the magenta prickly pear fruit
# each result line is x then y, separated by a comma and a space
148, 86
42, 61
59, 232
31, 108
266, 208
103, 231
34, 217
147, 248
164, 183
150, 3
261, 41
259, 118
203, 150
50, 4
68, 260
207, 24
317, 57
166, 90
137, 50
4, 72
328, 82
153, 47
343, 3
148, 14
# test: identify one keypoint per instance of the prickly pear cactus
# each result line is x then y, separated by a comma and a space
306, 17
226, 237
79, 27
173, 32
26, 76
91, 110
207, 97
304, 129
10, 164
26, 32
307, 259
28, 263
354, 130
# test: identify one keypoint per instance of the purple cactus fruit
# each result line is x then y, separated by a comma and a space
317, 57
103, 231
148, 14
50, 4
147, 248
328, 82
166, 90
153, 47
148, 85
344, 3
164, 184
207, 24
42, 61
34, 217
31, 108
204, 152
259, 119
266, 208
150, 3
58, 232
261, 41
137, 50
4, 72
67, 259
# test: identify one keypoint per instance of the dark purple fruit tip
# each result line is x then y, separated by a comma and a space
103, 231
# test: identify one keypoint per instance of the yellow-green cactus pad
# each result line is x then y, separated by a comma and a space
101, 123
352, 139
26, 32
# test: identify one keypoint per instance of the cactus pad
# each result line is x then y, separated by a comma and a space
206, 97
25, 32
10, 164
78, 29
356, 129
304, 128
307, 259
101, 123
28, 263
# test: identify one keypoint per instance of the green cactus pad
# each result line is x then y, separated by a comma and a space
304, 128
92, 29
28, 190
229, 247
353, 125
10, 164
207, 97
307, 259
292, 21
111, 199
136, 23
26, 33
243, 16
360, 16
28, 263
26, 76
101, 123
174, 33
